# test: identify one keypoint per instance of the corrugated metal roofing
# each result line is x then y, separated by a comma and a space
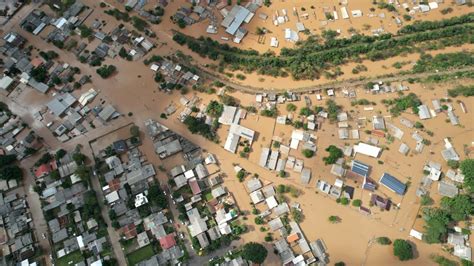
360, 168
393, 184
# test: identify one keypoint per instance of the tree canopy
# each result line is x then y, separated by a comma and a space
334, 154
254, 252
459, 207
402, 249
436, 221
467, 169
157, 197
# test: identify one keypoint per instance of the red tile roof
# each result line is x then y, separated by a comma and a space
168, 241
36, 62
129, 231
292, 238
43, 170
193, 183
114, 184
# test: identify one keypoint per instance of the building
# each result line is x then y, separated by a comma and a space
424, 112
61, 103
235, 133
447, 189
360, 168
367, 149
235, 18
393, 184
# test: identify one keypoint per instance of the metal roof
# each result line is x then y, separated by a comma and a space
393, 184
360, 168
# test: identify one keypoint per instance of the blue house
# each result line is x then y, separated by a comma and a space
393, 184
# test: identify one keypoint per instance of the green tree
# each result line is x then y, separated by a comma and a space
345, 201
79, 158
254, 252
215, 109
259, 220
436, 222
60, 154
157, 197
356, 203
296, 215
467, 169
426, 200
334, 154
241, 175
7, 159
459, 207
402, 249
333, 219
308, 153
291, 107
306, 111
10, 172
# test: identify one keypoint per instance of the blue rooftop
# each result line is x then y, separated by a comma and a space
360, 168
393, 184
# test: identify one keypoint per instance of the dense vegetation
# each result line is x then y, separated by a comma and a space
106, 71
442, 62
313, 57
9, 170
198, 126
402, 103
334, 154
465, 91
451, 210
254, 252
402, 249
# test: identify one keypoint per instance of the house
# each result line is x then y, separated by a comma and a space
367, 149
234, 19
403, 149
393, 184
235, 133
424, 112
253, 184
305, 175
168, 241
378, 123
360, 168
6, 82
380, 202
447, 189
61, 103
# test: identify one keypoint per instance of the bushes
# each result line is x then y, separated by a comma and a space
383, 240
198, 126
402, 249
139, 23
466, 91
106, 71
356, 203
445, 61
215, 109
291, 107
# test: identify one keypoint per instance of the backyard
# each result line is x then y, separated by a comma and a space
141, 254
70, 259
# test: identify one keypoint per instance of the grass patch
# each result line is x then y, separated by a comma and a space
208, 196
74, 257
141, 254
